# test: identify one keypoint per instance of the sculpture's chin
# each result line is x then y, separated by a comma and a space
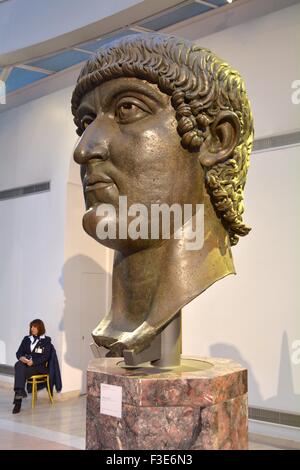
105, 230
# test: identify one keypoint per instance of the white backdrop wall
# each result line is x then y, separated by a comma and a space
254, 317
85, 287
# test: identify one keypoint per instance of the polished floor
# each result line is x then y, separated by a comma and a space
51, 427
57, 426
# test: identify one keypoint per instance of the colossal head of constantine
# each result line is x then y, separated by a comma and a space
162, 121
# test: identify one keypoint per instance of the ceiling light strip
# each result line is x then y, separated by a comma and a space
140, 29
82, 50
211, 5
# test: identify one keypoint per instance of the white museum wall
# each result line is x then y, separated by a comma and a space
32, 228
42, 250
265, 52
86, 282
254, 317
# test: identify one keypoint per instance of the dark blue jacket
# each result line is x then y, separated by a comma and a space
38, 358
54, 371
49, 357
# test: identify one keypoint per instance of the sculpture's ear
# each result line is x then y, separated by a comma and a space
223, 137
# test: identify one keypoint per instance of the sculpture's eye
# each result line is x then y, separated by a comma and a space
86, 121
130, 109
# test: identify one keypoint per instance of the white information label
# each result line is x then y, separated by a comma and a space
111, 400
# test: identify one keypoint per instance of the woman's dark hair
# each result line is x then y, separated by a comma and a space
39, 325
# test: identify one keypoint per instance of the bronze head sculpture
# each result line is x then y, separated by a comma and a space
162, 121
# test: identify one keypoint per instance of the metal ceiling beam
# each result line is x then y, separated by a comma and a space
50, 84
34, 69
5, 73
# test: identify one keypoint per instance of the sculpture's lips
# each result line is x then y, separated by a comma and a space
99, 185
96, 182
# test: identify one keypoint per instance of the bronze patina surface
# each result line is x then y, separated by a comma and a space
161, 120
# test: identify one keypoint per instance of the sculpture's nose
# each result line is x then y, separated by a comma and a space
92, 146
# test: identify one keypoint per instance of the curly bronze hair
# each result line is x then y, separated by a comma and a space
201, 86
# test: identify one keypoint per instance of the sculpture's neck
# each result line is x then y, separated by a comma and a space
153, 284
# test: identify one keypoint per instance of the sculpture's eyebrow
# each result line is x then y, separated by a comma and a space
115, 88
85, 108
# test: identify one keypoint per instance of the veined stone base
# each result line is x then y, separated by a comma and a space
200, 405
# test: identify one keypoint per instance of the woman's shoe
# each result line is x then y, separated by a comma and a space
17, 407
19, 394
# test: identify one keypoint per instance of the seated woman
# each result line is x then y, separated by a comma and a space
33, 354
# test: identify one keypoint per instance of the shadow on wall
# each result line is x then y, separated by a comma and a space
285, 390
85, 284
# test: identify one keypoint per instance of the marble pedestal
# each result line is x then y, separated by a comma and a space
200, 405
